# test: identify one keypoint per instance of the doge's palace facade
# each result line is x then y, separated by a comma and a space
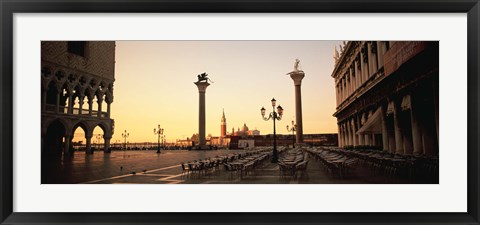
77, 91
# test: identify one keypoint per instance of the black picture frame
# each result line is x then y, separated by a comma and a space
10, 7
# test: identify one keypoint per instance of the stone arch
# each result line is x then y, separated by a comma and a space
107, 132
53, 141
83, 126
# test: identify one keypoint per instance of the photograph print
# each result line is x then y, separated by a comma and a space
239, 112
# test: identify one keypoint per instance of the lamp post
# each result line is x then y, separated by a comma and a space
274, 116
159, 133
292, 129
125, 136
164, 141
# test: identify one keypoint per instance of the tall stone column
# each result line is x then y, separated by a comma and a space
384, 130
398, 131
354, 134
340, 141
360, 137
416, 131
202, 88
297, 77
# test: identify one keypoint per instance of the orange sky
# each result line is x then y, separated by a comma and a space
154, 85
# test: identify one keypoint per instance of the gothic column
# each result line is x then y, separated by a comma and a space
80, 103
90, 105
88, 149
202, 88
70, 103
99, 102
106, 148
66, 144
108, 109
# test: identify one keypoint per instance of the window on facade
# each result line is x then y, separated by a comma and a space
77, 47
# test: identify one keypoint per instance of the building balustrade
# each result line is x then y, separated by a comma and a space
76, 111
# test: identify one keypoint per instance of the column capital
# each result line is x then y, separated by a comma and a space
297, 77
202, 86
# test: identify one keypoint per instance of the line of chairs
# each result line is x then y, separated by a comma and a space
294, 163
247, 165
422, 168
343, 161
336, 163
210, 165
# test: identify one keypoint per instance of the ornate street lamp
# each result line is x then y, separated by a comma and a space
274, 116
159, 133
292, 129
125, 136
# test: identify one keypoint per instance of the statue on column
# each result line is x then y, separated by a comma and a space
296, 65
203, 77
296, 68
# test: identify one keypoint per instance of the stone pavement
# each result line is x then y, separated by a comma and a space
148, 167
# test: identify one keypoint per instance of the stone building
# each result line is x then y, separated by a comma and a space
387, 96
77, 79
245, 131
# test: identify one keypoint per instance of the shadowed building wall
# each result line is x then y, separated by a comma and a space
387, 96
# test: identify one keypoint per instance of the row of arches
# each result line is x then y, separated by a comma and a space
72, 80
74, 94
61, 136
